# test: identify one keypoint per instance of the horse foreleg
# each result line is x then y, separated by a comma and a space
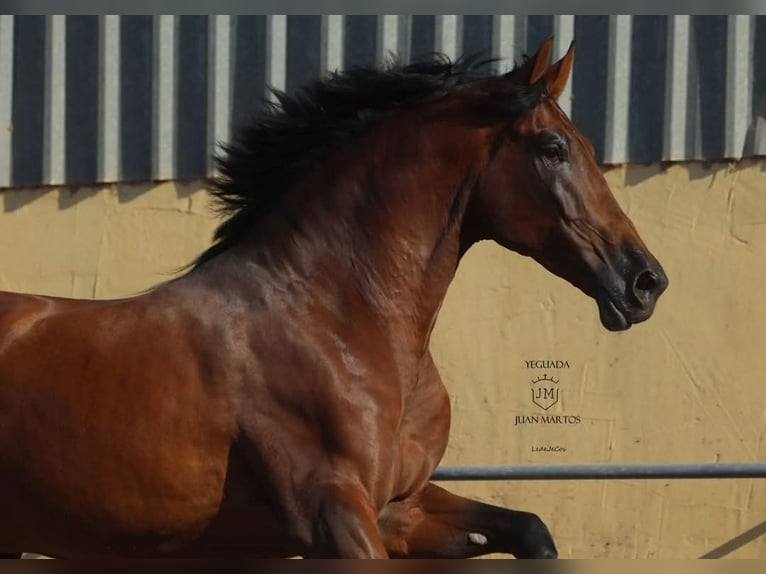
346, 526
435, 523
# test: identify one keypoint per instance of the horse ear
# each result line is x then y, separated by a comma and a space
557, 75
534, 68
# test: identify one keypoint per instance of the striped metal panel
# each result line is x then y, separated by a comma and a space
110, 98
108, 162
219, 87
449, 36
54, 126
164, 97
563, 36
6, 94
275, 53
618, 95
332, 44
677, 93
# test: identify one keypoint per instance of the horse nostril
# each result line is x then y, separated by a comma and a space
646, 283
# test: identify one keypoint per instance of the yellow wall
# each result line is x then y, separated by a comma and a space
684, 387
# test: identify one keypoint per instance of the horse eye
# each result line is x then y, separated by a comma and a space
552, 152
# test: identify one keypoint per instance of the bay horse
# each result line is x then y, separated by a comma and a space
279, 397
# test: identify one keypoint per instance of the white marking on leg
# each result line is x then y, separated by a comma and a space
477, 538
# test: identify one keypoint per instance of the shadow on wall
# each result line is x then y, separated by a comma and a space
185, 188
14, 199
68, 196
637, 175
737, 542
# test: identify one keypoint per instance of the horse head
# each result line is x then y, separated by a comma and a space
542, 194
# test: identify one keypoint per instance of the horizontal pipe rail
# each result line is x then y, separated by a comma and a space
599, 471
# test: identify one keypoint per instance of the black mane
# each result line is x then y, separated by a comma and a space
289, 134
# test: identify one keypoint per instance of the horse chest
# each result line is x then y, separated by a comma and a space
424, 431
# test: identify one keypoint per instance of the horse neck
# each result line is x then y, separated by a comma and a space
407, 237
381, 220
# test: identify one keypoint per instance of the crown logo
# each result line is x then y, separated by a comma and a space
545, 378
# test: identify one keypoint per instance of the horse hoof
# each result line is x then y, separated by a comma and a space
537, 542
548, 553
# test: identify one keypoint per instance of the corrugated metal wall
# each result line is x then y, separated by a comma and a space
109, 98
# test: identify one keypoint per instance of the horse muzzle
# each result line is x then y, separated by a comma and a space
628, 290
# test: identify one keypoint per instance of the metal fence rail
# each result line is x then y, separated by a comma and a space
600, 471
114, 98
